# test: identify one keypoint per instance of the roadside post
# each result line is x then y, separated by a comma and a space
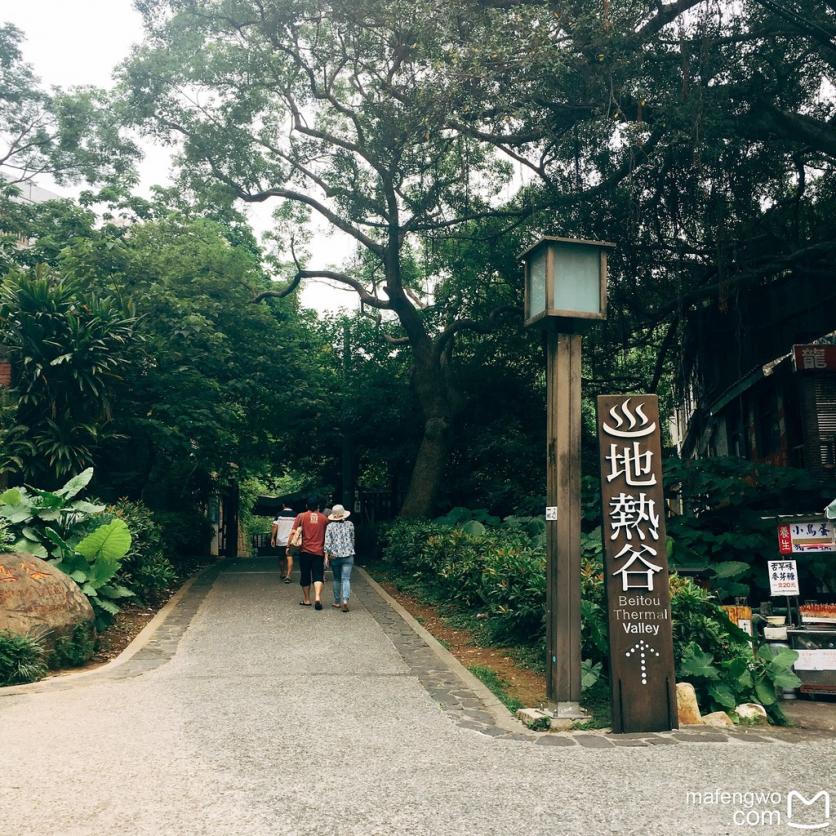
565, 293
636, 564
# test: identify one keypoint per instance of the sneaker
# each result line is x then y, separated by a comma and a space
345, 606
287, 579
318, 605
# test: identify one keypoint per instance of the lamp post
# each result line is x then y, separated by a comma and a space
566, 293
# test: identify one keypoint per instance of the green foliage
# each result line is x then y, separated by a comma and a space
590, 673
54, 525
718, 658
69, 349
728, 522
496, 571
145, 569
208, 371
74, 650
184, 533
22, 658
41, 520
500, 572
463, 516
93, 562
67, 134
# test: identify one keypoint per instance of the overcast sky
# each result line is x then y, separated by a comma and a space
80, 42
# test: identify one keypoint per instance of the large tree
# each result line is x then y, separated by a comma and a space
136, 347
332, 106
698, 135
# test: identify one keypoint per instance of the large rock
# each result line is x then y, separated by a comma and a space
752, 712
718, 719
37, 597
687, 709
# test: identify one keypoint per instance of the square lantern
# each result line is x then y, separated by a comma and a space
566, 279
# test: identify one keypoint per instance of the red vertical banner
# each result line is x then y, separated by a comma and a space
636, 564
784, 540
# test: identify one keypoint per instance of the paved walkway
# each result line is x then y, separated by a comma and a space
248, 714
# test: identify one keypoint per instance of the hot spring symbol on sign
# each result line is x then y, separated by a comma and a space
635, 428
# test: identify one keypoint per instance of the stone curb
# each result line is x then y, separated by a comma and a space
140, 641
499, 713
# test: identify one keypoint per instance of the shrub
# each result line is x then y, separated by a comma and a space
185, 534
496, 571
719, 659
74, 650
55, 526
22, 658
500, 571
145, 568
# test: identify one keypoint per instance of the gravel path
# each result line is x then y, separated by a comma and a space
253, 715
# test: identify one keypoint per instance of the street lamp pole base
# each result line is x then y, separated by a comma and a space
568, 711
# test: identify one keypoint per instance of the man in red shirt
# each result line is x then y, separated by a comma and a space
312, 553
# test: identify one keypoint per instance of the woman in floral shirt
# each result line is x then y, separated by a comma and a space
339, 550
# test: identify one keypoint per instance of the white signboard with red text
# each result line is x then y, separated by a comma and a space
808, 535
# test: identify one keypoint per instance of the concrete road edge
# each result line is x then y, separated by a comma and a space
136, 644
502, 717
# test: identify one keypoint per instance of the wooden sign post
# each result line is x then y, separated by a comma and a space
635, 564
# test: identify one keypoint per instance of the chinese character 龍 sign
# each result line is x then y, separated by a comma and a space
814, 358
635, 563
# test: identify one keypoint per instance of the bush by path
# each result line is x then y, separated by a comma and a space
496, 573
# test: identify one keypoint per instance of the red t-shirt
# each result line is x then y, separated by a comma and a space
313, 531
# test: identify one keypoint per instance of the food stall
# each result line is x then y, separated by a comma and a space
814, 636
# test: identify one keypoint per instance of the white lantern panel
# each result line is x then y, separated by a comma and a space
577, 278
537, 283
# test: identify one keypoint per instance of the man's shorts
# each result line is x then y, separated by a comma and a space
311, 568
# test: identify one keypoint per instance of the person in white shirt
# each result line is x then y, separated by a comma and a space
282, 525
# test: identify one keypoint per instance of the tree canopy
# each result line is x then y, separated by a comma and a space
442, 139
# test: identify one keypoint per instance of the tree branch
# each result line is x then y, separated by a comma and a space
484, 326
666, 14
278, 294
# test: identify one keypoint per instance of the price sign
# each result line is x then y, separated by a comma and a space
783, 577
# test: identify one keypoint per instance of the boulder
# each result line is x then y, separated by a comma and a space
752, 712
35, 597
687, 709
719, 719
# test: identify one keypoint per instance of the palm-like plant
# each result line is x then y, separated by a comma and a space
69, 350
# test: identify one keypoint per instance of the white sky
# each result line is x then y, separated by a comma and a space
71, 42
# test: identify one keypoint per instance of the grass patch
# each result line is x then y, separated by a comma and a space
496, 685
22, 658
529, 656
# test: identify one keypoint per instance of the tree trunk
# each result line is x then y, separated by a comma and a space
432, 389
428, 470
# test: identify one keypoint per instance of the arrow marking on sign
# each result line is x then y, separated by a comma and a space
643, 650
